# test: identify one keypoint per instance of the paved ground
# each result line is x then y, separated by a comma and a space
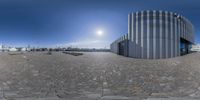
88, 77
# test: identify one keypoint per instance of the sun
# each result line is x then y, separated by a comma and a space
99, 32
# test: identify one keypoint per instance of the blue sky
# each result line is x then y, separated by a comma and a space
51, 23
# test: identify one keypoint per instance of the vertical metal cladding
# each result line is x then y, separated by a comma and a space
148, 42
142, 40
155, 34
175, 36
161, 34
166, 34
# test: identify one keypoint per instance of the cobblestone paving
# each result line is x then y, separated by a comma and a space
93, 75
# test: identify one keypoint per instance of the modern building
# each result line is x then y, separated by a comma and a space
196, 48
155, 35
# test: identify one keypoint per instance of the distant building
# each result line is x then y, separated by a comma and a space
13, 49
195, 48
23, 49
4, 48
155, 35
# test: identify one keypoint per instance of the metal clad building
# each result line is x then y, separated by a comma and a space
155, 35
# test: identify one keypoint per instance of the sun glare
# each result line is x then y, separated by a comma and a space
99, 32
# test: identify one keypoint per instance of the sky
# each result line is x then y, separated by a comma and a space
76, 23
